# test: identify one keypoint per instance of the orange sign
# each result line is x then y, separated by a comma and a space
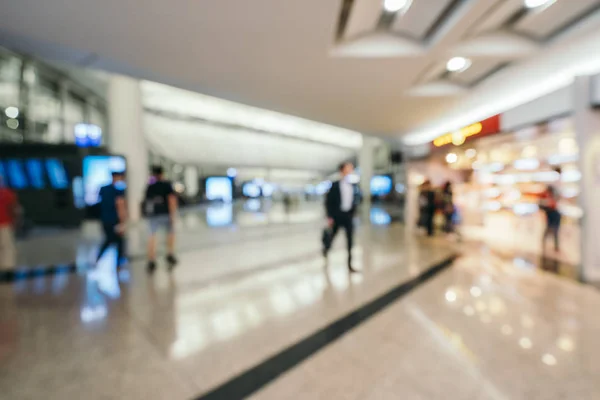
458, 137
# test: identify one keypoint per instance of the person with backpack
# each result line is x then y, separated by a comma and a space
160, 204
113, 216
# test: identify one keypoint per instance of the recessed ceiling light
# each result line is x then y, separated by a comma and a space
538, 3
458, 64
395, 5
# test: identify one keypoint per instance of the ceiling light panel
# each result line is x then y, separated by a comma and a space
396, 5
189, 104
476, 72
538, 3
458, 64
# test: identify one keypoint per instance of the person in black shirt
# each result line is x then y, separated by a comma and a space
113, 215
427, 207
161, 208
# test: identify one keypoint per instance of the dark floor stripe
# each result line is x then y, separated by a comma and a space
14, 275
255, 378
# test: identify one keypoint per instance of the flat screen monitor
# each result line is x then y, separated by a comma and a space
97, 172
268, 190
16, 174
219, 188
381, 185
3, 174
57, 174
251, 189
35, 171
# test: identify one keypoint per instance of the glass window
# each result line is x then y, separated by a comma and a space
44, 119
35, 106
74, 114
10, 73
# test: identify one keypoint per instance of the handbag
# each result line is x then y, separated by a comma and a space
326, 237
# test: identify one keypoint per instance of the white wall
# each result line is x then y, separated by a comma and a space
557, 103
595, 90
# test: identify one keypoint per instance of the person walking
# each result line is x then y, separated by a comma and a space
549, 204
9, 209
340, 206
447, 206
113, 215
161, 207
427, 207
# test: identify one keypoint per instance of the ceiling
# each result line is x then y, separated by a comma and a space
342, 62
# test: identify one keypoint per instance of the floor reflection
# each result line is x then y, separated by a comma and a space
547, 330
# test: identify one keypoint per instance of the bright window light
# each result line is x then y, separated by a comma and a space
549, 359
571, 176
475, 291
451, 296
395, 5
11, 112
526, 164
451, 158
525, 343
538, 3
458, 64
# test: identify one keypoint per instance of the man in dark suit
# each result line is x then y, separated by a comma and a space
340, 205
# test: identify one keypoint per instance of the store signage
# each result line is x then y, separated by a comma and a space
458, 137
88, 135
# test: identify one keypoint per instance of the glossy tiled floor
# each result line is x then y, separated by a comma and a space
483, 329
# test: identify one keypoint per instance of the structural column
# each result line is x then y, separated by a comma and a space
587, 129
127, 137
366, 164
190, 175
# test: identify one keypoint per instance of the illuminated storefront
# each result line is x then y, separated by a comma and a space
477, 130
500, 167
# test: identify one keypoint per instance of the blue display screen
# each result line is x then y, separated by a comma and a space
57, 174
16, 174
97, 172
381, 185
219, 188
251, 189
36, 173
3, 174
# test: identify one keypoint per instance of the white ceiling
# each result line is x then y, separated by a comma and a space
286, 55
